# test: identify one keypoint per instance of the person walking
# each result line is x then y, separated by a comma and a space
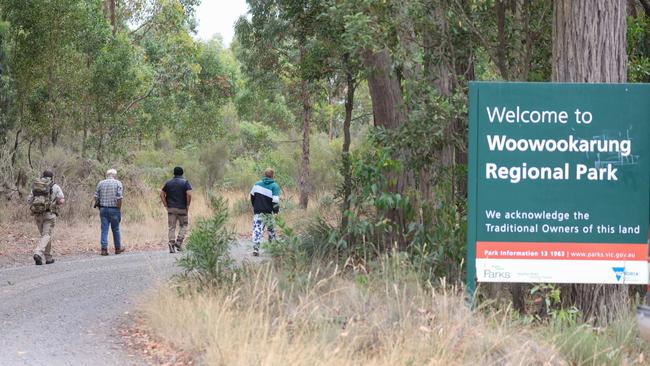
176, 196
108, 197
265, 198
44, 201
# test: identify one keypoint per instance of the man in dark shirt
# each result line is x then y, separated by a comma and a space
176, 196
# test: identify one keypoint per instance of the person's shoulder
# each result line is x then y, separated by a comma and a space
56, 187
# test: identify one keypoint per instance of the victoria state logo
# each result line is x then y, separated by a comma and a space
619, 272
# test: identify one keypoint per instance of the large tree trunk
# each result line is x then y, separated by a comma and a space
589, 45
347, 169
589, 41
385, 91
306, 116
388, 110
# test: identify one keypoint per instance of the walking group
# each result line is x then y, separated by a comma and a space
47, 198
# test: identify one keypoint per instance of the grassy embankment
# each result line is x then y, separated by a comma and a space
380, 314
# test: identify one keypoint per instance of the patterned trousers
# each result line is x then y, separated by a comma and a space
261, 221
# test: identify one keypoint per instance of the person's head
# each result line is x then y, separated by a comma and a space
178, 171
48, 174
268, 172
111, 173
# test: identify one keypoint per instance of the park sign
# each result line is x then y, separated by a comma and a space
559, 182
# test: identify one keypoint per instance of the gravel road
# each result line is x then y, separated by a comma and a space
66, 313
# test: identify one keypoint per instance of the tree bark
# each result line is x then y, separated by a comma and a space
388, 112
589, 45
589, 41
306, 117
385, 92
347, 169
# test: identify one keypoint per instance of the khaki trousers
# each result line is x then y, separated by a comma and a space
177, 215
45, 223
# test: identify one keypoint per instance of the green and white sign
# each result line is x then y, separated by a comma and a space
559, 182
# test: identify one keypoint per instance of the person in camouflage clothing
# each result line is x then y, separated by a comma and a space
44, 201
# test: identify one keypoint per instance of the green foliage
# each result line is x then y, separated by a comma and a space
552, 304
638, 48
287, 249
255, 137
206, 258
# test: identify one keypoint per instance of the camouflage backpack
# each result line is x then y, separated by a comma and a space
42, 195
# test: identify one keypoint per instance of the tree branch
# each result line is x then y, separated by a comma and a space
479, 35
140, 98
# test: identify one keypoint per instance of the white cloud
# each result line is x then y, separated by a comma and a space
219, 16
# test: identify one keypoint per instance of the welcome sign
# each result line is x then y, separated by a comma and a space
559, 182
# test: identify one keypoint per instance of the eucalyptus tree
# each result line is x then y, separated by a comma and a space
589, 46
278, 43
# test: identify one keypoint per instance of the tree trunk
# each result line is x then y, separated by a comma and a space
589, 45
112, 12
29, 153
347, 169
14, 151
84, 139
589, 41
388, 111
502, 62
385, 92
306, 116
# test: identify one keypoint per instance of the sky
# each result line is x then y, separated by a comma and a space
219, 16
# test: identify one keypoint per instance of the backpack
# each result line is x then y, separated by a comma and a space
42, 195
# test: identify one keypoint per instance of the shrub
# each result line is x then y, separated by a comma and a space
206, 259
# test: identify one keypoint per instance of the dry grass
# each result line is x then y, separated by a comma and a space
338, 320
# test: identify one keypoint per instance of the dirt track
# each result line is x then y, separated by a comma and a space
66, 313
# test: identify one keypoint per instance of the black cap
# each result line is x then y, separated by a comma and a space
178, 171
48, 174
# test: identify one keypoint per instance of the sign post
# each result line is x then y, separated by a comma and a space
559, 182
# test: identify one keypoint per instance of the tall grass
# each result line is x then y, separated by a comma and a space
329, 318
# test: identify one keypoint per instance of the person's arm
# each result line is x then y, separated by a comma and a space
120, 195
253, 197
60, 198
188, 193
163, 197
276, 199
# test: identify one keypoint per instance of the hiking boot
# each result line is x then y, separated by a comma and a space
49, 261
119, 250
38, 259
179, 247
104, 252
256, 252
172, 247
